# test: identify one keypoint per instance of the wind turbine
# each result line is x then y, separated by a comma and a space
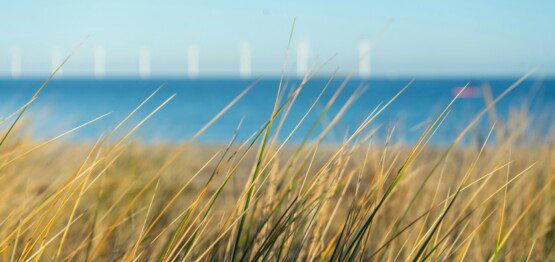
303, 51
193, 61
99, 62
56, 61
144, 62
16, 63
245, 60
364, 49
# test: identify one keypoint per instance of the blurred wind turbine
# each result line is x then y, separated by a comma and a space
99, 62
56, 61
193, 61
364, 49
16, 63
144, 62
303, 49
245, 60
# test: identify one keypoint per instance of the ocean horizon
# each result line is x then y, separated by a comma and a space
68, 102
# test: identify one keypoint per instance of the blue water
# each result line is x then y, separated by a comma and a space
66, 103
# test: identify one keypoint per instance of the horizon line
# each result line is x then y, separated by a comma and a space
274, 77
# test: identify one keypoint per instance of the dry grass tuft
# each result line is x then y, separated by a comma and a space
265, 198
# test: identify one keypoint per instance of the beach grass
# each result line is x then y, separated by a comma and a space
264, 198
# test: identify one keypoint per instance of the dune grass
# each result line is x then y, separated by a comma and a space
266, 198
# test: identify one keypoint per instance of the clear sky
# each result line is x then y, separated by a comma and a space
421, 38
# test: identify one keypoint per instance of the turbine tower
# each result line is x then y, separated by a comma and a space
144, 62
16, 64
302, 58
99, 62
56, 62
245, 60
364, 49
193, 61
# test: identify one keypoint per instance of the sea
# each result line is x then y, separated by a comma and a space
67, 103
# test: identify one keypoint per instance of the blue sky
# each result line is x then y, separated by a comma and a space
422, 38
